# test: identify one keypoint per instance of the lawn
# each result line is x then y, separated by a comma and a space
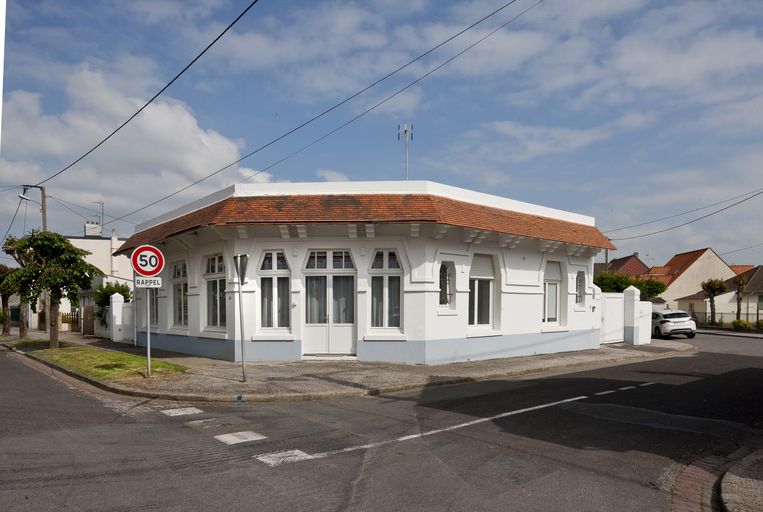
105, 364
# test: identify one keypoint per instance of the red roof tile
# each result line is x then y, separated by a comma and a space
370, 209
741, 269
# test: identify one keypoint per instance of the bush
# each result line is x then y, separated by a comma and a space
759, 325
103, 294
741, 325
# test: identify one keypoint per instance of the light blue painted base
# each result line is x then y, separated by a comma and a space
228, 350
474, 349
417, 352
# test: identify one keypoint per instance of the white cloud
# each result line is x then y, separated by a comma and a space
329, 175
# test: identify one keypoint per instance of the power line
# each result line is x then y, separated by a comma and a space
337, 105
385, 100
68, 208
11, 224
681, 214
86, 208
153, 98
740, 250
688, 222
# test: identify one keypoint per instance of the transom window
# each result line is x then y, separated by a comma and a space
275, 293
481, 278
215, 281
180, 293
319, 260
386, 289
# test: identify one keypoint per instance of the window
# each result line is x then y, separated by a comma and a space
180, 293
386, 288
760, 301
319, 260
215, 277
481, 277
580, 288
552, 282
153, 298
447, 285
275, 290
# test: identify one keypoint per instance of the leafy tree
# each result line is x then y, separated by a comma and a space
741, 282
6, 290
10, 286
612, 282
103, 294
52, 263
713, 288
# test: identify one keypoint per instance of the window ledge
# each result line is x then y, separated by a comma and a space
554, 328
178, 330
217, 334
447, 312
487, 333
276, 336
380, 336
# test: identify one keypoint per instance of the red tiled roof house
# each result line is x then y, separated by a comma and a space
412, 272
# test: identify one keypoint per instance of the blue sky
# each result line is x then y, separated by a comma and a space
628, 111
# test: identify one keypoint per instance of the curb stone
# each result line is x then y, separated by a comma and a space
189, 397
741, 488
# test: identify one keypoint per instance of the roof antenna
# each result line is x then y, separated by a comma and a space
407, 136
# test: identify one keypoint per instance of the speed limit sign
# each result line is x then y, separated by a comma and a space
147, 261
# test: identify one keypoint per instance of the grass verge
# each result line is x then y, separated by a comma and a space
105, 364
30, 345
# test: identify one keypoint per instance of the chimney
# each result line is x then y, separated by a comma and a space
92, 229
635, 254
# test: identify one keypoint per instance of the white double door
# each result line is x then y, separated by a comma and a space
330, 323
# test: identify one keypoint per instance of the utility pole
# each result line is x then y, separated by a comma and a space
44, 212
407, 136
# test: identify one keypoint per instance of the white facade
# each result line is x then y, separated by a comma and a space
375, 291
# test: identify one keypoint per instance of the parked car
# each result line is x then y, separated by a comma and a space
669, 322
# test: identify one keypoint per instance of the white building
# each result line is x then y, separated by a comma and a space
413, 272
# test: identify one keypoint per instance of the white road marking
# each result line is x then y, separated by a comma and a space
182, 411
602, 393
244, 436
626, 388
266, 457
199, 422
274, 459
645, 384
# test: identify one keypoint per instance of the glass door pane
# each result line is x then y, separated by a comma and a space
393, 305
284, 302
344, 299
316, 300
551, 301
266, 308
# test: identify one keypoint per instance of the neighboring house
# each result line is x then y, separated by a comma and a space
726, 304
414, 272
741, 269
685, 272
628, 265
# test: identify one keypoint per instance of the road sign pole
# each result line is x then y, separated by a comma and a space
148, 332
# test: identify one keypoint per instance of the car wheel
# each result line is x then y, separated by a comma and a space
691, 335
657, 334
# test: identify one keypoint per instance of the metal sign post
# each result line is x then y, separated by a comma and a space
239, 262
148, 262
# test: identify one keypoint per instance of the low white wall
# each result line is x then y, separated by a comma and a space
102, 331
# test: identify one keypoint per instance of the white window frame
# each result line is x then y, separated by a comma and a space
580, 286
153, 297
215, 273
473, 308
558, 282
385, 272
273, 274
179, 277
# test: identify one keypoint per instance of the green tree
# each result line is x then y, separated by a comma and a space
713, 288
6, 290
650, 288
50, 262
741, 282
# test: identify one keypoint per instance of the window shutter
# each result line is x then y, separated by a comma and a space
482, 267
553, 271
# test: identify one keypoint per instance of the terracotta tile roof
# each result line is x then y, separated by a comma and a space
628, 265
371, 209
675, 267
741, 269
754, 284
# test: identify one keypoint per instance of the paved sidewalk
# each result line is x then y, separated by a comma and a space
742, 485
214, 380
728, 332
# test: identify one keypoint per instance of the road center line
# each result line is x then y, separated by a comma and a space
609, 392
268, 458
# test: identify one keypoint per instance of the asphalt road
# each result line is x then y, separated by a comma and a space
606, 439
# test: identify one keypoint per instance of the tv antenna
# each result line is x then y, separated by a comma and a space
406, 134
